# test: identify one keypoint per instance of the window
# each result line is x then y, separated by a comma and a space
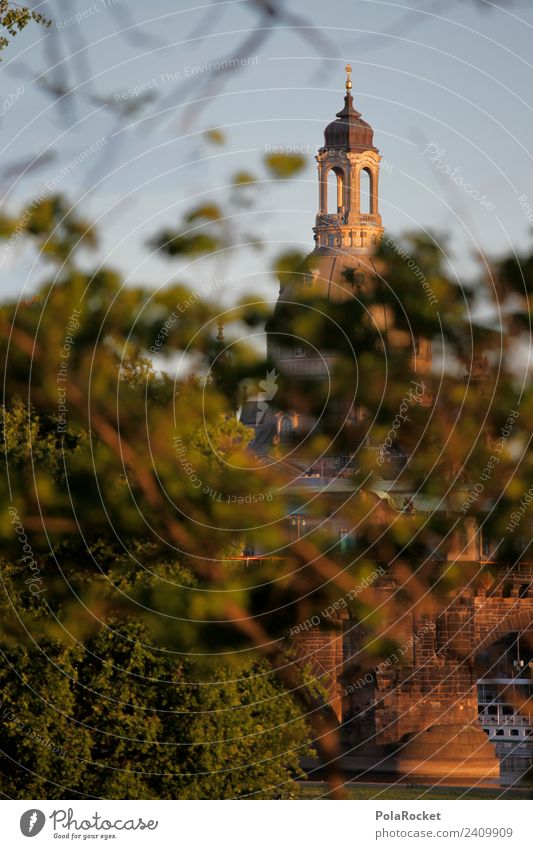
463, 538
334, 191
486, 545
507, 589
365, 197
285, 430
344, 539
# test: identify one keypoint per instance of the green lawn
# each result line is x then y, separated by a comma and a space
318, 789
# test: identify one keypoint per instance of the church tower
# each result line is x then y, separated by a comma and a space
349, 155
342, 267
347, 232
348, 227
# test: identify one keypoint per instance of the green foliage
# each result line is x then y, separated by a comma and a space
119, 719
187, 244
206, 211
281, 166
14, 18
287, 266
51, 227
143, 655
138, 503
121, 714
215, 136
243, 178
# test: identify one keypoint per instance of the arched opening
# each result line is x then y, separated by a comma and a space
334, 191
345, 540
285, 430
366, 191
505, 689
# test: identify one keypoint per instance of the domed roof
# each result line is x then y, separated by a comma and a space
349, 131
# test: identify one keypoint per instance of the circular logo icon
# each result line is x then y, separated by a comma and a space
32, 822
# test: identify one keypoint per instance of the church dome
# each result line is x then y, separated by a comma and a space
349, 131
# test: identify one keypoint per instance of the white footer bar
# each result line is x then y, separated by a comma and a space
269, 824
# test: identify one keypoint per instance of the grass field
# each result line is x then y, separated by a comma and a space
319, 790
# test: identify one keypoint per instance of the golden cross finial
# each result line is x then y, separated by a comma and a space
348, 70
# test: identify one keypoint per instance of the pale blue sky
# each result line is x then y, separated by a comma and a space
458, 77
